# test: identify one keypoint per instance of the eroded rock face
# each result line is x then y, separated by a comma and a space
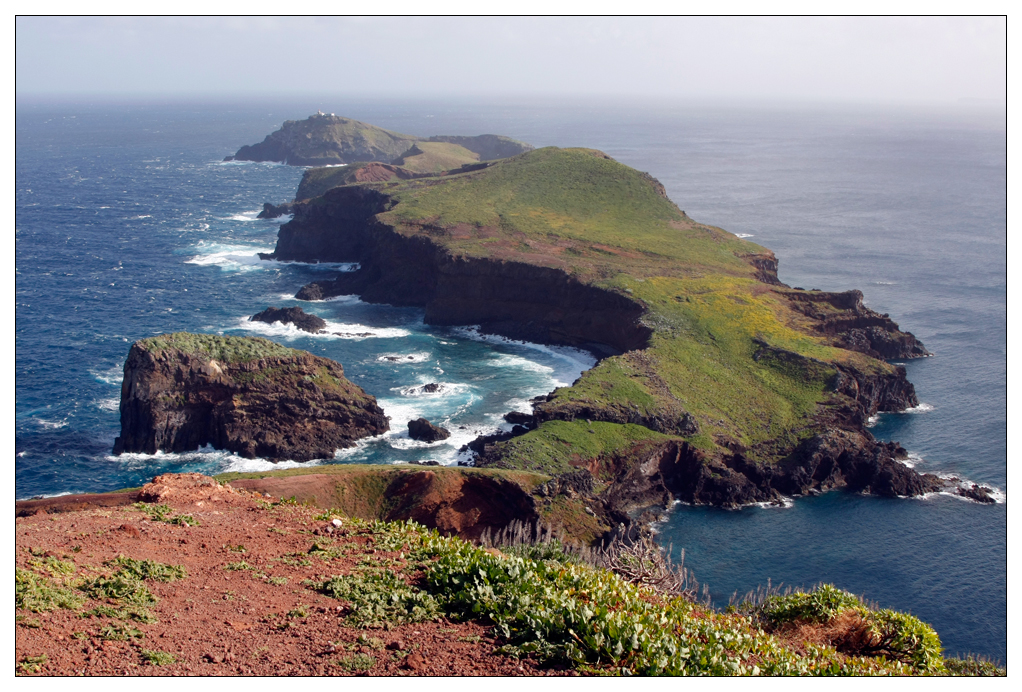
295, 316
854, 326
246, 395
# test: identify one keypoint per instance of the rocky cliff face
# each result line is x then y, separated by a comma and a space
249, 396
513, 299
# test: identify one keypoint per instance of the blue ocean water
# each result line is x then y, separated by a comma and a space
128, 224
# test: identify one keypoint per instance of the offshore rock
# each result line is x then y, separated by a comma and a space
246, 395
295, 316
273, 211
424, 431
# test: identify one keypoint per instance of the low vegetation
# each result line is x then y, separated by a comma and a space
225, 349
119, 595
643, 617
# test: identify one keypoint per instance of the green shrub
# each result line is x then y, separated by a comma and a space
356, 662
55, 566
162, 513
148, 569
39, 594
157, 658
820, 605
907, 639
973, 666
380, 598
120, 633
32, 664
119, 586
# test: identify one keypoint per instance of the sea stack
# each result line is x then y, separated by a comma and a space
246, 395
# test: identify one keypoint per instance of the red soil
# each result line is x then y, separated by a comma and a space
221, 622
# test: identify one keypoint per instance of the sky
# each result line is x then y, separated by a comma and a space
780, 59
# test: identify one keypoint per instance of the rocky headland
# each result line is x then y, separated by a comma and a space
246, 395
325, 140
717, 384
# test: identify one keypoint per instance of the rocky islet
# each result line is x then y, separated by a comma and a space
243, 394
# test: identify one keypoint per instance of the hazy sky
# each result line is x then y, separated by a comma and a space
807, 59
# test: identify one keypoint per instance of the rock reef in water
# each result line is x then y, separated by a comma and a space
424, 431
717, 383
295, 316
246, 395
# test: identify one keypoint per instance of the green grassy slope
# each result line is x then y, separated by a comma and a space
434, 157
610, 226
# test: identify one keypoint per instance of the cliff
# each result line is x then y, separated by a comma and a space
326, 140
246, 395
765, 388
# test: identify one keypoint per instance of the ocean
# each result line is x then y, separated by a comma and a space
129, 224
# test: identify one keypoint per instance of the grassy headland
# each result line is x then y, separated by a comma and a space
717, 326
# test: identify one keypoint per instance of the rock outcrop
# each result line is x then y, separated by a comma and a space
422, 430
273, 211
295, 316
245, 395
852, 325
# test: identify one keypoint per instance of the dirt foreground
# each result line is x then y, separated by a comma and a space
240, 609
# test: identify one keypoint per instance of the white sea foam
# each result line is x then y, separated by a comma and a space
51, 424
343, 300
272, 164
229, 257
402, 358
444, 389
209, 460
240, 465
333, 330
245, 216
743, 235
46, 496
912, 460
111, 404
921, 408
112, 376
442, 409
872, 420
506, 360
583, 360
140, 216
782, 503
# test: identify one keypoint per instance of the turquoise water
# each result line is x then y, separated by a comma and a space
129, 225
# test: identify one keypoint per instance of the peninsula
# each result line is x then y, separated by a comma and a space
717, 383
